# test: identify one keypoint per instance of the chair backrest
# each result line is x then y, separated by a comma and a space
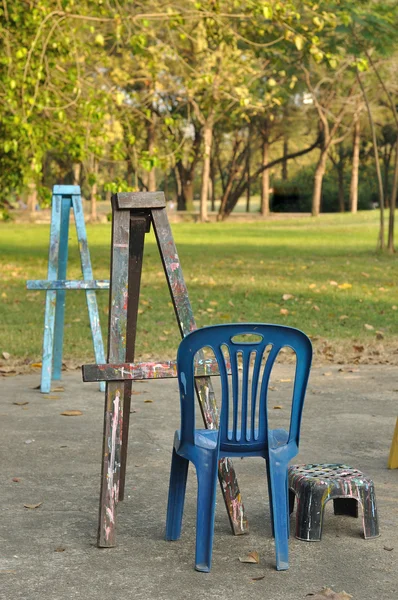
244, 418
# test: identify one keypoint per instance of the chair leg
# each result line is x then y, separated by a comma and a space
369, 508
175, 505
280, 511
207, 472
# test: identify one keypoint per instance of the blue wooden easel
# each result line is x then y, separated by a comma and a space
64, 199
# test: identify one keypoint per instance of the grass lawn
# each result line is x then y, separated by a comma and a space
234, 272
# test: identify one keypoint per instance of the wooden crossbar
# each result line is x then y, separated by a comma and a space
67, 284
146, 370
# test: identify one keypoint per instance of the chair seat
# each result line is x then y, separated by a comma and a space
207, 439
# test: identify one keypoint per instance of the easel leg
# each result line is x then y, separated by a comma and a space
91, 297
393, 458
110, 476
60, 302
49, 317
47, 358
204, 388
138, 228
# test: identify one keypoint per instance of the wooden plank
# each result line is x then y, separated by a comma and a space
114, 396
49, 315
142, 200
204, 388
87, 271
66, 190
60, 294
393, 458
145, 370
138, 228
67, 284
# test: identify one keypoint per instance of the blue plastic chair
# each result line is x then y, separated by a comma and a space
250, 437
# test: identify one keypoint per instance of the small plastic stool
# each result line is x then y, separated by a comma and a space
314, 485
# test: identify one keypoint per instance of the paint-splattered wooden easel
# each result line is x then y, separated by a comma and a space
133, 214
64, 199
393, 458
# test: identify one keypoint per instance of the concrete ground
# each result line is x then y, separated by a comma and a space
50, 553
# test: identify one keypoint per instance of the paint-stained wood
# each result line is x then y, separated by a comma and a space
204, 388
393, 458
137, 200
114, 396
138, 228
146, 370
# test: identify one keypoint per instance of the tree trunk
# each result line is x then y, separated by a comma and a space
93, 192
380, 243
318, 179
355, 167
213, 184
76, 170
285, 153
393, 203
208, 138
32, 196
248, 191
265, 180
151, 141
340, 173
386, 164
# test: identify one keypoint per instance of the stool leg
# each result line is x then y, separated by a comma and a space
309, 514
370, 519
346, 506
292, 498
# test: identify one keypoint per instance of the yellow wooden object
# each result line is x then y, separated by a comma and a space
393, 458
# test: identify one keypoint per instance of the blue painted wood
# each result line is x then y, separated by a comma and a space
60, 294
49, 318
67, 284
65, 198
246, 436
88, 274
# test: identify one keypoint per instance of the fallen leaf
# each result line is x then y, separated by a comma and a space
359, 348
365, 274
6, 355
231, 303
58, 389
278, 407
315, 307
333, 283
20, 403
52, 397
285, 380
379, 335
284, 311
287, 297
16, 479
344, 317
368, 327
166, 332
327, 374
345, 286
71, 413
388, 548
312, 286
162, 338
213, 303
32, 506
148, 401
394, 307
272, 388
60, 549
252, 557
258, 578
